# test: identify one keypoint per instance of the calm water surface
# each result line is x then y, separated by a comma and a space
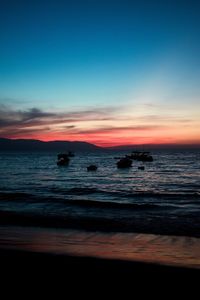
165, 195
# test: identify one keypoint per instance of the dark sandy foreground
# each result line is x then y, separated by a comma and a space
71, 257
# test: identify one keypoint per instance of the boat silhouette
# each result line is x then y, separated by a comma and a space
140, 156
124, 163
63, 159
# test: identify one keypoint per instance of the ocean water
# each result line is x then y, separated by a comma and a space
164, 198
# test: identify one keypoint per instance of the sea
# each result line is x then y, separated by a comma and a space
164, 198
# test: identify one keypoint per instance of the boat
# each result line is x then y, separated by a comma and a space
63, 159
124, 163
140, 156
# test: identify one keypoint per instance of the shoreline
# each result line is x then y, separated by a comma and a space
169, 251
138, 225
60, 260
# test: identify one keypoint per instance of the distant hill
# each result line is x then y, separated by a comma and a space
157, 147
36, 145
77, 146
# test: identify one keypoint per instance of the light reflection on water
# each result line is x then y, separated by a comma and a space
38, 173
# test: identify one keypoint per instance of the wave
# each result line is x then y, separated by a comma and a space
63, 195
160, 225
75, 191
121, 193
25, 197
14, 196
109, 204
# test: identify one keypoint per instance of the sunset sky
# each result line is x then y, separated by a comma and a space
106, 72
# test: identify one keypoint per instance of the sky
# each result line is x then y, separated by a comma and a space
106, 72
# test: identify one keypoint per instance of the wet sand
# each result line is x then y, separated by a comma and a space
132, 247
68, 259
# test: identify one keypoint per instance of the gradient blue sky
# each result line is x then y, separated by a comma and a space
131, 68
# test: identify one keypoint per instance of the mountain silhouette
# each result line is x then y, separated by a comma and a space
36, 145
77, 146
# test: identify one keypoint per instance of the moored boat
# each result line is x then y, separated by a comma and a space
140, 156
63, 159
124, 163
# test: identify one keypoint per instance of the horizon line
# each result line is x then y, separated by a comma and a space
111, 146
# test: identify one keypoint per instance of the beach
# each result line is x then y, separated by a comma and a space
123, 253
66, 262
125, 226
132, 247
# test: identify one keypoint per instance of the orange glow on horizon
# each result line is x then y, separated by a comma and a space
129, 127
111, 141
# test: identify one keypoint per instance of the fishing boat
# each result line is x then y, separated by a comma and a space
140, 156
124, 163
63, 159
